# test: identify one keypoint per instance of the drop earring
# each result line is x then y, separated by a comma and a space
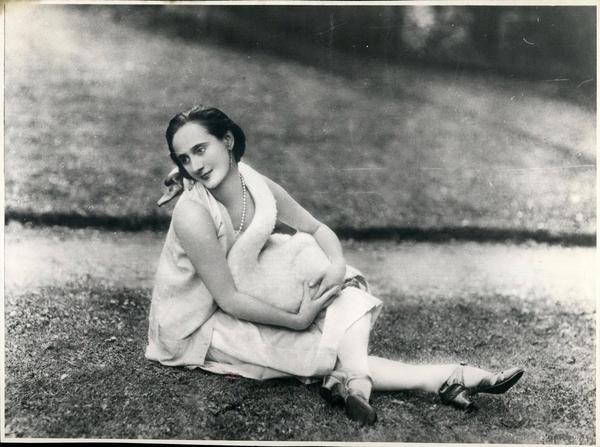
230, 158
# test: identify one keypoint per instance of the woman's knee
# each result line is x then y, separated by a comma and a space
362, 326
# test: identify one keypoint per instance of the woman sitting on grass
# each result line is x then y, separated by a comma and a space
219, 246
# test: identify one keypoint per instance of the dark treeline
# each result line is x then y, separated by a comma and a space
537, 42
532, 41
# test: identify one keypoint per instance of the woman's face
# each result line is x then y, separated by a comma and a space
204, 156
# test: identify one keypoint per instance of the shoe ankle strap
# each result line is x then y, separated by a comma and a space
344, 377
351, 377
456, 377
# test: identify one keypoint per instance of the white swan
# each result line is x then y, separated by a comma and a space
272, 267
269, 267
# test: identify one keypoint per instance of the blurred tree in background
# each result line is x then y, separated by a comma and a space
537, 42
321, 91
534, 41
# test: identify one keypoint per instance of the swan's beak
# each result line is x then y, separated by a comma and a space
174, 183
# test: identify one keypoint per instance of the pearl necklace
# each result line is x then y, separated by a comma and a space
243, 219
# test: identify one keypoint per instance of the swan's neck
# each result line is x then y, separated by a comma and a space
251, 242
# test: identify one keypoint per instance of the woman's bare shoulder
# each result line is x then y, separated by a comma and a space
190, 216
291, 212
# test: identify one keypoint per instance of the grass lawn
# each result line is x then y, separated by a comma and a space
75, 368
87, 99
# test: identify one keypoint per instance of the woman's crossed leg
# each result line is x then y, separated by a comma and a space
357, 373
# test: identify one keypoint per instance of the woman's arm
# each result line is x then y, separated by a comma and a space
195, 229
293, 214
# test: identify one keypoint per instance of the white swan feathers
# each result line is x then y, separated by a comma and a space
273, 267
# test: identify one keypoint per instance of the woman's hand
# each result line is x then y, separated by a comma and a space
332, 276
312, 304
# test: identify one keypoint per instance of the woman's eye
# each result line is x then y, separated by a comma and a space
184, 160
199, 149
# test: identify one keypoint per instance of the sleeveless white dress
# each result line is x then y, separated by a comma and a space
224, 344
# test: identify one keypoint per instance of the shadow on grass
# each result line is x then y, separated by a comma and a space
156, 222
75, 368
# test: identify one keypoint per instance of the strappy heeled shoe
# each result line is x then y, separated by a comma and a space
336, 390
332, 389
454, 392
499, 383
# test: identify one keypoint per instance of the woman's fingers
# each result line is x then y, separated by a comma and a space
318, 280
315, 292
319, 284
322, 288
321, 300
306, 291
306, 294
330, 278
328, 296
310, 308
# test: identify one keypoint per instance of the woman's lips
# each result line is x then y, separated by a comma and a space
206, 175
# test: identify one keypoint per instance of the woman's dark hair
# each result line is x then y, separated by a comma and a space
215, 122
